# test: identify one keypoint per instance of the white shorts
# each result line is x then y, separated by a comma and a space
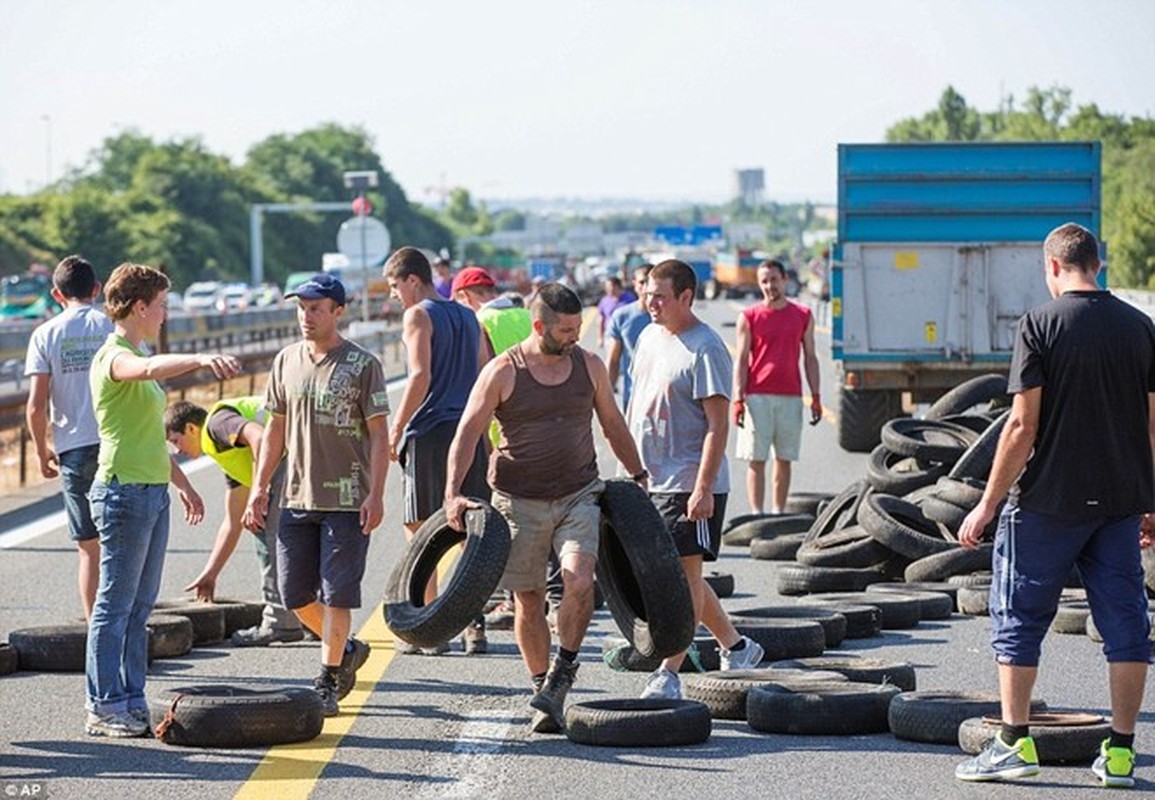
772, 420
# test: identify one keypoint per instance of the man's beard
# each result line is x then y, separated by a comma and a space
551, 347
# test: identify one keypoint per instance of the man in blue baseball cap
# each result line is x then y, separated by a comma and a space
319, 287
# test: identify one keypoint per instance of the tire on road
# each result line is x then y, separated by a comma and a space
974, 601
1060, 737
208, 619
858, 670
1071, 617
955, 561
230, 716
805, 502
721, 582
641, 573
9, 659
977, 460
783, 638
797, 579
780, 548
767, 527
724, 693
976, 391
822, 709
241, 614
898, 611
896, 474
170, 635
901, 526
650, 722
51, 648
478, 572
932, 606
861, 415
934, 716
927, 439
848, 547
833, 622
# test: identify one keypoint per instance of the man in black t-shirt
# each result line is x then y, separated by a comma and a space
1076, 460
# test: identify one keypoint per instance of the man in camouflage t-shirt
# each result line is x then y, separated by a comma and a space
326, 396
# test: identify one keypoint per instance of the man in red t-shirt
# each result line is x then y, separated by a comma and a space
767, 401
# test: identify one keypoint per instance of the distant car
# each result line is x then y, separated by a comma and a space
267, 294
234, 297
175, 301
295, 279
202, 296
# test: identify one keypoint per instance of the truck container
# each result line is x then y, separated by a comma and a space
939, 254
735, 274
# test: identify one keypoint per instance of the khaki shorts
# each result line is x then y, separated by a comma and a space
772, 420
570, 524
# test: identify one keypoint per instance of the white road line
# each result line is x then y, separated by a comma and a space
473, 767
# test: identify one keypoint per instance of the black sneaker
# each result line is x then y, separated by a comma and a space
326, 689
352, 660
551, 697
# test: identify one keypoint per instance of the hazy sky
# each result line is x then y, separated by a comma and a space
512, 98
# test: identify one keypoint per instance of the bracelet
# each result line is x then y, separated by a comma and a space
644, 475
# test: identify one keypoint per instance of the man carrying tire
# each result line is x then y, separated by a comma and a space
329, 419
767, 405
1081, 374
678, 416
444, 351
544, 393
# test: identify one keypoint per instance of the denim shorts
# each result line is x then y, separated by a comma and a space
320, 557
77, 469
1034, 554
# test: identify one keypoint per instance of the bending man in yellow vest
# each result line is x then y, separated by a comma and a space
231, 433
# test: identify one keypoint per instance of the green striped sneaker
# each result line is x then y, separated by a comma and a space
1115, 766
1001, 762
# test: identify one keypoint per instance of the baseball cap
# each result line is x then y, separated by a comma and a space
471, 276
320, 286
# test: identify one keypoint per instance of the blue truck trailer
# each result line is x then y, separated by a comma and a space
938, 255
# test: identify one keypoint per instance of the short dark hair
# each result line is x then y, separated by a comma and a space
131, 282
178, 416
644, 269
553, 299
615, 281
74, 278
1073, 246
773, 263
680, 275
409, 261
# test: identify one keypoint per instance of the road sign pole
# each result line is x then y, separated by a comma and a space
364, 273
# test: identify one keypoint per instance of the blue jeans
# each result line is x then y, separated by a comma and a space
133, 520
77, 469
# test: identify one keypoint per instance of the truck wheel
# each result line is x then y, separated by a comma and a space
861, 416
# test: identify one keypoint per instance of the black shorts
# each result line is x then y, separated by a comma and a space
423, 463
692, 537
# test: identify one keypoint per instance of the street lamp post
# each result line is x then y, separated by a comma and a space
47, 120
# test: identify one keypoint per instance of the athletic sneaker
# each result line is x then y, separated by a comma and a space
262, 636
141, 715
663, 683
352, 660
748, 657
118, 725
326, 689
1001, 762
1115, 766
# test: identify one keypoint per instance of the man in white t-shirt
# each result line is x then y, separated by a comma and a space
59, 355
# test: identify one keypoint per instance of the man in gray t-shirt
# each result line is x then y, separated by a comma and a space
59, 355
678, 415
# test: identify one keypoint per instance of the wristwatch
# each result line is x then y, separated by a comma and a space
644, 475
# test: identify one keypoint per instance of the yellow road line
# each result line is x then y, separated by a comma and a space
289, 772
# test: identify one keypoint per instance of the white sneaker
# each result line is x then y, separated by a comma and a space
664, 684
118, 725
748, 657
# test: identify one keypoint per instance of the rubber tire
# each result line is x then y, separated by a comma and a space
942, 587
208, 619
974, 602
1094, 635
848, 547
170, 635
962, 492
934, 716
824, 709
1071, 617
861, 415
780, 548
932, 606
734, 522
805, 502
956, 561
241, 614
724, 693
833, 623
9, 659
901, 526
976, 391
859, 670
797, 579
883, 475
641, 573
767, 527
862, 621
927, 439
51, 648
977, 460
721, 582
1060, 744
841, 511
650, 722
783, 638
898, 612
477, 574
971, 579
230, 716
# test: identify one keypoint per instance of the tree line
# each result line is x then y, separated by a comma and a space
1128, 188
